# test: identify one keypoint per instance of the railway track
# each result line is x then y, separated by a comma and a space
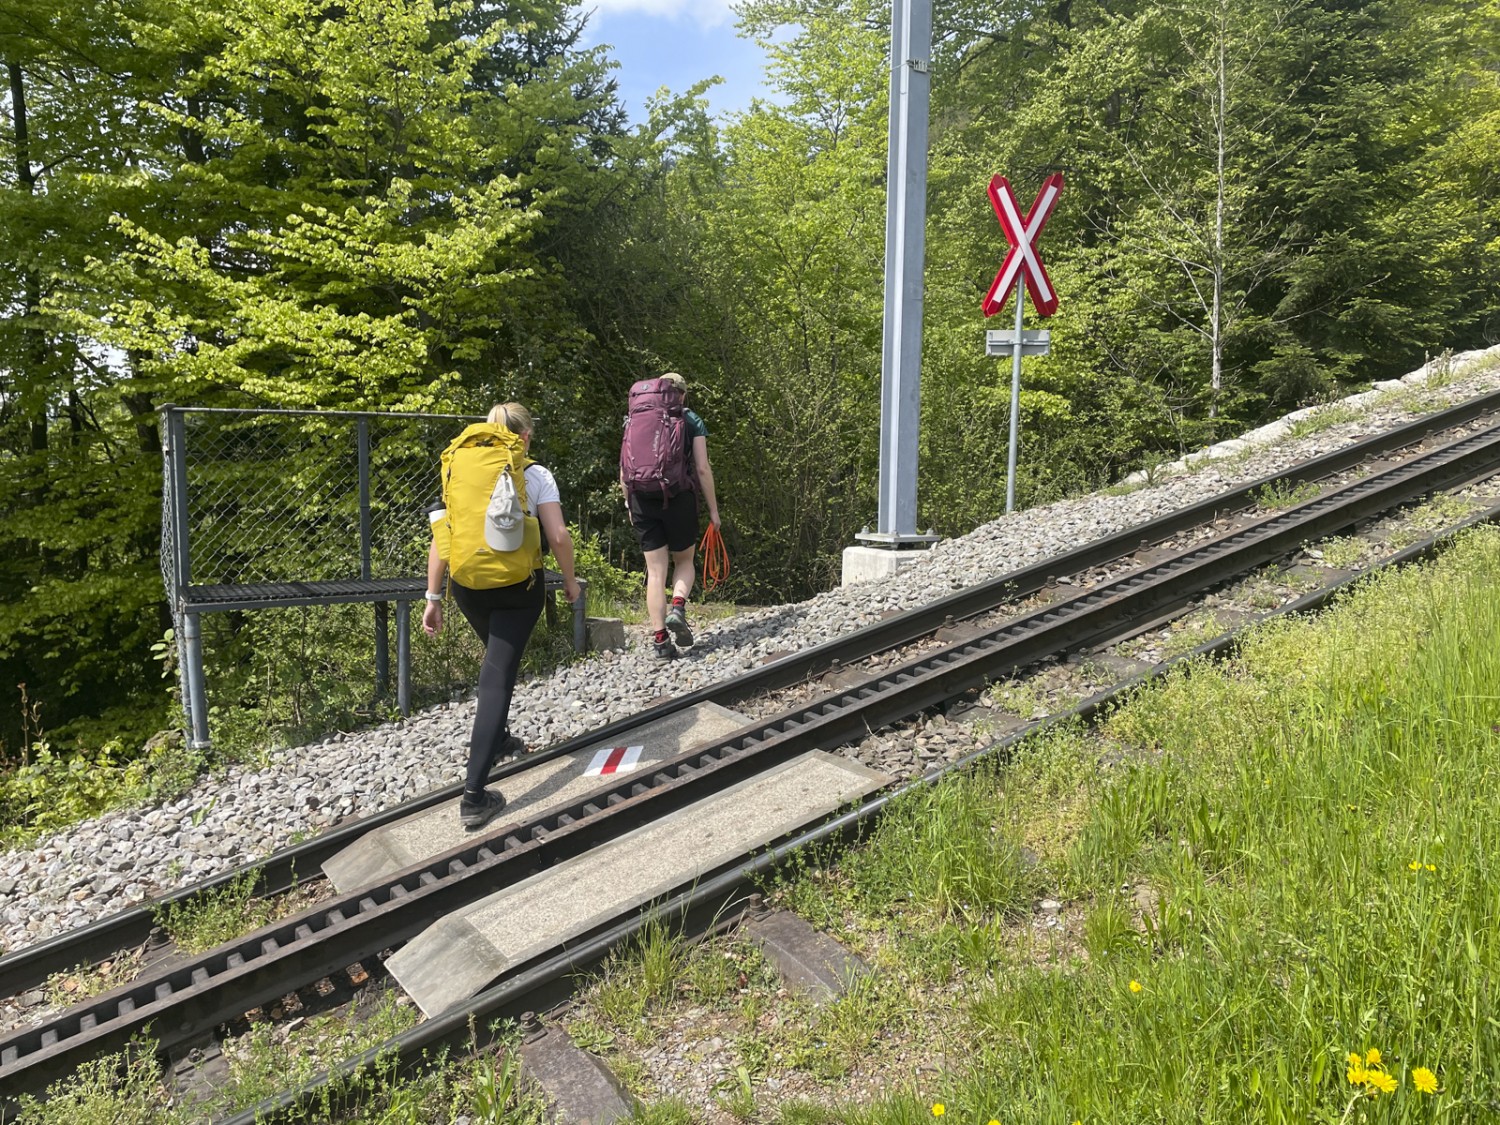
719, 900
132, 928
187, 1000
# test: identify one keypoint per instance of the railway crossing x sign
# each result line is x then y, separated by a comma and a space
1023, 261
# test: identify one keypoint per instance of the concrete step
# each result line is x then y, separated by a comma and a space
401, 843
467, 951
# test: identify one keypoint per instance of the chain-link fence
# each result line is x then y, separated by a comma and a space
295, 496
276, 508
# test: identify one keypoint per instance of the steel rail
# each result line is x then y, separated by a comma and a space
532, 988
131, 927
185, 1001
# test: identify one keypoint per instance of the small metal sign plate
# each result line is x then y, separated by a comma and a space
1036, 341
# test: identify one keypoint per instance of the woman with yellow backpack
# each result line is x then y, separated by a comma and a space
487, 540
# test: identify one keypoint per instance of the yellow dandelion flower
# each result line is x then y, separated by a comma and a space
1432, 867
1135, 986
1356, 1059
994, 1122
1415, 865
1372, 1057
1356, 1073
1424, 1080
938, 1109
1382, 1081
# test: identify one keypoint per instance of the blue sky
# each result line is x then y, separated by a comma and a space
675, 43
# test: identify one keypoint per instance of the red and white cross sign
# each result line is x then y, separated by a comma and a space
1023, 259
614, 759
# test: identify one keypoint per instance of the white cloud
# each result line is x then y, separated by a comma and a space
707, 13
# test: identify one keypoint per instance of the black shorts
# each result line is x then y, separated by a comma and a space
673, 524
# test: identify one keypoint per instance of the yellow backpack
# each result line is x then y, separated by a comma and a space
492, 537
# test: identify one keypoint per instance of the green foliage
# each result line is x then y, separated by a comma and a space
114, 1090
642, 978
609, 585
269, 1058
46, 790
275, 206
1280, 494
211, 918
942, 850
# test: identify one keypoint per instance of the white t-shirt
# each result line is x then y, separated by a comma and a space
541, 488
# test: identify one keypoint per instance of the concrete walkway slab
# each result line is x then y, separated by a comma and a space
467, 951
395, 846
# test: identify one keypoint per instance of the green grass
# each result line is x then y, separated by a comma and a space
268, 1059
212, 917
1293, 857
1280, 494
1323, 418
1346, 552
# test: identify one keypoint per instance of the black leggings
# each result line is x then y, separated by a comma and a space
504, 618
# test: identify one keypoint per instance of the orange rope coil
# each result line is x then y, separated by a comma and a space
715, 559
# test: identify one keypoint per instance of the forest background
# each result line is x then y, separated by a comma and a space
429, 205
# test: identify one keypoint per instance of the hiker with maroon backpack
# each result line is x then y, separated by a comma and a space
663, 468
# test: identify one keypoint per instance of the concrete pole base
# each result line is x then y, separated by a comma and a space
873, 564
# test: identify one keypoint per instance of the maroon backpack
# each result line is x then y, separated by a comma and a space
653, 452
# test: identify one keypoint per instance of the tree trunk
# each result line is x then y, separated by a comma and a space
35, 346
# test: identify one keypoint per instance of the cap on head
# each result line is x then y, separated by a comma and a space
673, 377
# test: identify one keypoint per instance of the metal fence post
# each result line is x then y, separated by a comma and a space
403, 656
382, 611
189, 637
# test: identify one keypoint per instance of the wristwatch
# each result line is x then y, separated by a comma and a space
430, 596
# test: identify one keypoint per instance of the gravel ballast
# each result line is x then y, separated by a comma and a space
124, 857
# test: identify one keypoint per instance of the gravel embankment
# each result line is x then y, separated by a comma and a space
119, 859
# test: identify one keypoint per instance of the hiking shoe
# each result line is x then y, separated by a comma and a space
664, 648
476, 814
678, 626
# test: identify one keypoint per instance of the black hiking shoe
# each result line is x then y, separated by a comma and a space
678, 626
476, 814
663, 647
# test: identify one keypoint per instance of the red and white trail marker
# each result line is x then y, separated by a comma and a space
614, 759
1023, 260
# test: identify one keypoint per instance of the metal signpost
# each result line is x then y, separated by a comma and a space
1022, 265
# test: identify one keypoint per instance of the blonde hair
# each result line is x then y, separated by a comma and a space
513, 416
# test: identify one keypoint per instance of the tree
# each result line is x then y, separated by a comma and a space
792, 233
283, 202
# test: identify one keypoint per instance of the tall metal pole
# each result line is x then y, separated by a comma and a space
905, 223
1015, 394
